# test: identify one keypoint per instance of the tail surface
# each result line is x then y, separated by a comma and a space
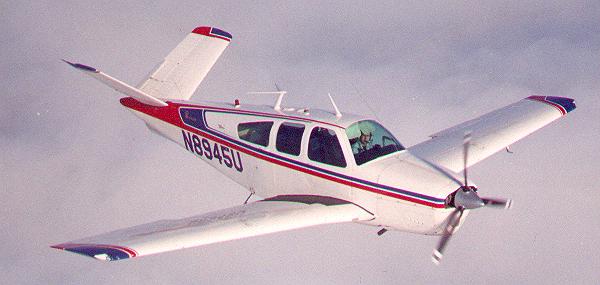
118, 85
186, 66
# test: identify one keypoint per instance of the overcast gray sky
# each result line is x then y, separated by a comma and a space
74, 163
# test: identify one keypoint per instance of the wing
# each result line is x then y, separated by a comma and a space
271, 215
186, 66
493, 131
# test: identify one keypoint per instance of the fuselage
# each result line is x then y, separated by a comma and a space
274, 153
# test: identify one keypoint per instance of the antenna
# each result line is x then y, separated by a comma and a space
365, 102
279, 92
338, 114
277, 106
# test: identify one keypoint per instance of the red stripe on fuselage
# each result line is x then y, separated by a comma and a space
170, 114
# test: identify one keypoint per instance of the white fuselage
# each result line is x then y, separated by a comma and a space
401, 191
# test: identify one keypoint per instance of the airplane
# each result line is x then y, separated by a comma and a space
308, 166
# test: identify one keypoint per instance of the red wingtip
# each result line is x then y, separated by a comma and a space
58, 246
213, 32
202, 31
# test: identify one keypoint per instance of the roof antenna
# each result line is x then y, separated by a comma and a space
338, 114
365, 102
279, 92
277, 106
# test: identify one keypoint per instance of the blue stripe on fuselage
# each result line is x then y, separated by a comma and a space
203, 127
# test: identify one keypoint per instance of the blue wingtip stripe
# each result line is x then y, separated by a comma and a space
563, 104
93, 251
567, 103
81, 66
221, 33
99, 251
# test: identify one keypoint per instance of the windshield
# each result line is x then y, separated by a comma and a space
370, 140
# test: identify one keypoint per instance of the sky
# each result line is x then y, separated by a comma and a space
74, 162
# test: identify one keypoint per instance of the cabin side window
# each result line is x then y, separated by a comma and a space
324, 147
192, 117
255, 132
289, 138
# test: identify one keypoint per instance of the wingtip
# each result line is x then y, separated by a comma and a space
213, 32
80, 66
509, 204
58, 246
436, 257
98, 251
563, 104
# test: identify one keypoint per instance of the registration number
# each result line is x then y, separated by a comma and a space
210, 150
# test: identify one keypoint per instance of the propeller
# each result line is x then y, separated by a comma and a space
465, 198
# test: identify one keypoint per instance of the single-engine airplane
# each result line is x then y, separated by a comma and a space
309, 166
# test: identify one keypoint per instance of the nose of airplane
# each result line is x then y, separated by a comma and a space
418, 178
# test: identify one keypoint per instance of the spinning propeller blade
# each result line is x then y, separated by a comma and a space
465, 198
501, 203
453, 221
466, 144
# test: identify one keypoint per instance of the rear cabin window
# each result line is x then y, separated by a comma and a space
289, 138
255, 132
192, 117
324, 147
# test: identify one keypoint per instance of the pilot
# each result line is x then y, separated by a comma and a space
364, 141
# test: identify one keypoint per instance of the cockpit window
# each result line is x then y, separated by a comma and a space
370, 140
